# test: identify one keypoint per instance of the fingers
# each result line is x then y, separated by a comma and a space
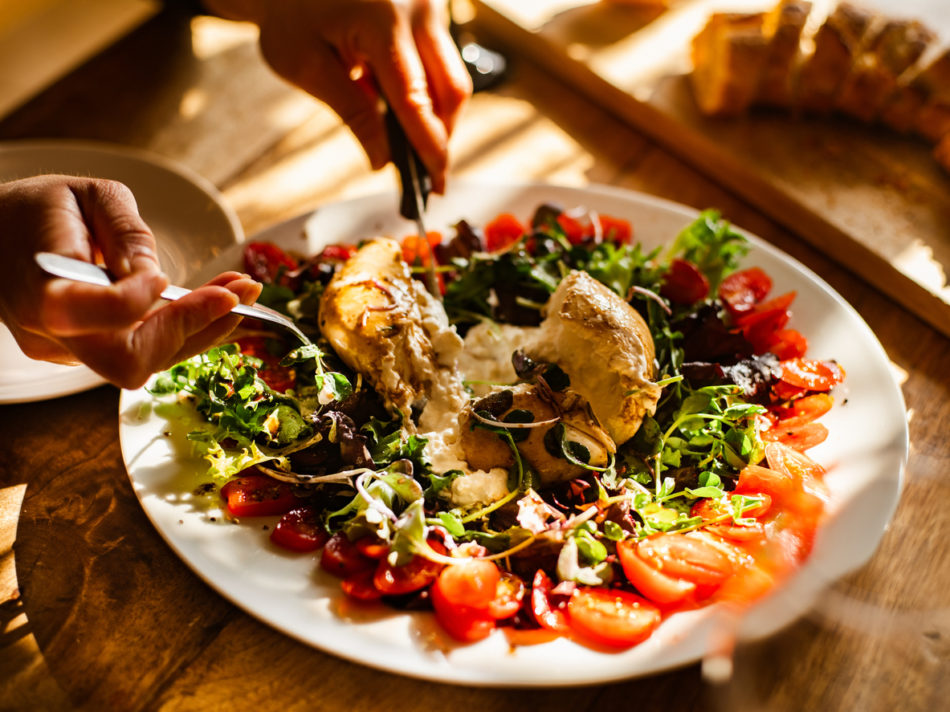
449, 82
318, 69
126, 242
394, 59
169, 334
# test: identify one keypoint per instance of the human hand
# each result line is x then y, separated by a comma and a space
342, 50
117, 331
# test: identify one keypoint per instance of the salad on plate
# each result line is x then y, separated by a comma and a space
573, 437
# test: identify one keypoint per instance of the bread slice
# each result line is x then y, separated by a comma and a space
933, 119
728, 55
895, 47
783, 26
942, 152
915, 87
838, 43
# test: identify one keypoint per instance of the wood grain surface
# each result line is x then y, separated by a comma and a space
99, 614
875, 201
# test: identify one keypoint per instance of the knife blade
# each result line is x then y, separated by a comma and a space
415, 185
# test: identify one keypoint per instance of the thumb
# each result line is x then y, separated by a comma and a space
126, 242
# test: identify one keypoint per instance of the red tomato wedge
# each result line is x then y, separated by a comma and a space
267, 263
810, 374
299, 530
803, 410
656, 585
742, 290
360, 586
278, 377
766, 310
575, 231
417, 252
342, 558
546, 612
256, 495
800, 437
684, 283
788, 343
611, 617
414, 575
502, 232
615, 230
509, 593
372, 547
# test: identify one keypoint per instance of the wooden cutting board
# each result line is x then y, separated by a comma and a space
874, 201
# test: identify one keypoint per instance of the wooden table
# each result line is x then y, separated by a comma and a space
98, 613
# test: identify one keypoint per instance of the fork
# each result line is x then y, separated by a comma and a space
79, 271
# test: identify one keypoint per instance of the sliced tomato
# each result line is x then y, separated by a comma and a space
418, 252
797, 465
656, 585
414, 575
611, 617
548, 613
372, 547
749, 584
766, 310
742, 290
360, 586
575, 231
687, 558
803, 410
502, 232
785, 392
461, 622
337, 253
257, 495
267, 263
472, 583
280, 378
810, 374
509, 594
299, 530
801, 436
342, 558
615, 230
684, 283
715, 510
789, 343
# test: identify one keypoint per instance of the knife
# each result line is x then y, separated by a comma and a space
415, 185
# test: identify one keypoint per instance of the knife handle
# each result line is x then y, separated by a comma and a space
407, 162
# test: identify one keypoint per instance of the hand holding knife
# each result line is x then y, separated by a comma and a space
415, 186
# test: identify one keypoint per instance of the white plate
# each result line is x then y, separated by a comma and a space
191, 224
866, 453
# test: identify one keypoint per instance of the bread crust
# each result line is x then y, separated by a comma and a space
783, 26
838, 43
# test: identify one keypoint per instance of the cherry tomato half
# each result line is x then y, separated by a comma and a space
672, 568
615, 230
742, 290
279, 378
342, 558
611, 617
462, 623
414, 575
684, 283
503, 232
810, 374
257, 495
359, 585
547, 612
299, 530
800, 437
509, 594
267, 263
473, 583
803, 410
